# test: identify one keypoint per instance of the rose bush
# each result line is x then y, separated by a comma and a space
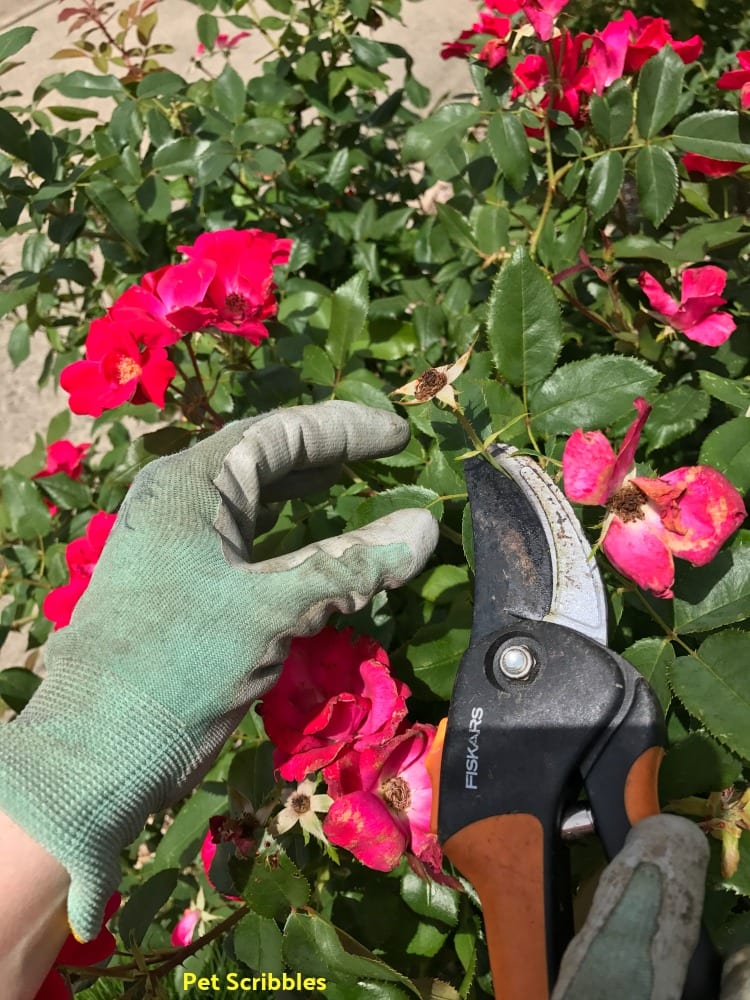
524, 264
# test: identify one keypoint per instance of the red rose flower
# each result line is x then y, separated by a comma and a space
81, 555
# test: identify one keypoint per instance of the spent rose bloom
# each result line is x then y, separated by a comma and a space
738, 79
335, 692
240, 296
302, 805
81, 555
80, 955
697, 313
688, 513
382, 801
184, 929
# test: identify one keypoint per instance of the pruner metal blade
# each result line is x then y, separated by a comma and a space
532, 559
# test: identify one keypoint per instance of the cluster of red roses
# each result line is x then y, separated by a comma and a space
584, 64
225, 284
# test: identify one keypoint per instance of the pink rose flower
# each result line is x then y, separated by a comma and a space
166, 303
335, 693
62, 456
649, 35
184, 929
574, 81
542, 15
695, 163
240, 294
696, 313
223, 41
738, 79
382, 801
688, 513
117, 369
81, 555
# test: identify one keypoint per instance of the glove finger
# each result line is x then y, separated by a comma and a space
645, 918
291, 440
345, 572
735, 978
301, 483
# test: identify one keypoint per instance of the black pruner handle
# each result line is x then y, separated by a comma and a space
621, 777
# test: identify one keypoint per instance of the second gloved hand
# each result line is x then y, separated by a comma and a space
178, 632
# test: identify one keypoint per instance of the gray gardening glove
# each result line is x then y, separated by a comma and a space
179, 631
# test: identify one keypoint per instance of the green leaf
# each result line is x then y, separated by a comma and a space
590, 394
659, 90
696, 765
523, 324
317, 367
427, 941
261, 132
229, 93
251, 773
707, 597
727, 448
736, 395
19, 343
144, 903
656, 182
349, 305
14, 39
118, 210
652, 657
272, 884
458, 229
428, 137
162, 83
258, 943
26, 511
430, 899
204, 159
65, 492
605, 181
17, 684
723, 135
314, 946
357, 389
80, 84
13, 137
207, 28
612, 114
166, 441
714, 686
675, 414
434, 653
510, 147
399, 498
180, 843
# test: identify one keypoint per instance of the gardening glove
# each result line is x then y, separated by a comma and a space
644, 921
178, 632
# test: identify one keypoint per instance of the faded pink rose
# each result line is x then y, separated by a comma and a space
335, 692
697, 313
688, 513
382, 801
240, 296
81, 555
184, 929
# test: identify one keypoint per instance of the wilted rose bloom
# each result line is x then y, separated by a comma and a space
382, 801
240, 296
697, 313
694, 163
738, 79
184, 929
81, 555
117, 369
335, 692
80, 955
688, 513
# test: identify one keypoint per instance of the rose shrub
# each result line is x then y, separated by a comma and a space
527, 263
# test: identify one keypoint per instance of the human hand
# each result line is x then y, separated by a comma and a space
179, 632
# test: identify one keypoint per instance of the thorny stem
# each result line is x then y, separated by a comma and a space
552, 180
594, 317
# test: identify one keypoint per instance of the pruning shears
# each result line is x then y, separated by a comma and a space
541, 708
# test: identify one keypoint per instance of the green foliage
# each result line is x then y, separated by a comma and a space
416, 234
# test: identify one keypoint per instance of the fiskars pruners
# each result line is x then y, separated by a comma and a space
540, 708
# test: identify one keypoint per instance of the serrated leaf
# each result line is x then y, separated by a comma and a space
144, 903
510, 147
317, 366
434, 653
605, 181
26, 511
428, 137
258, 943
722, 135
707, 597
523, 321
456, 226
727, 448
358, 390
427, 941
349, 305
612, 113
736, 395
696, 765
651, 658
229, 93
430, 899
659, 90
64, 492
251, 773
180, 843
399, 498
80, 84
13, 137
590, 394
675, 414
14, 39
272, 884
714, 686
657, 183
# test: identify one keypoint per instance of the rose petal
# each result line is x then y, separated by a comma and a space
588, 463
361, 823
710, 510
639, 551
